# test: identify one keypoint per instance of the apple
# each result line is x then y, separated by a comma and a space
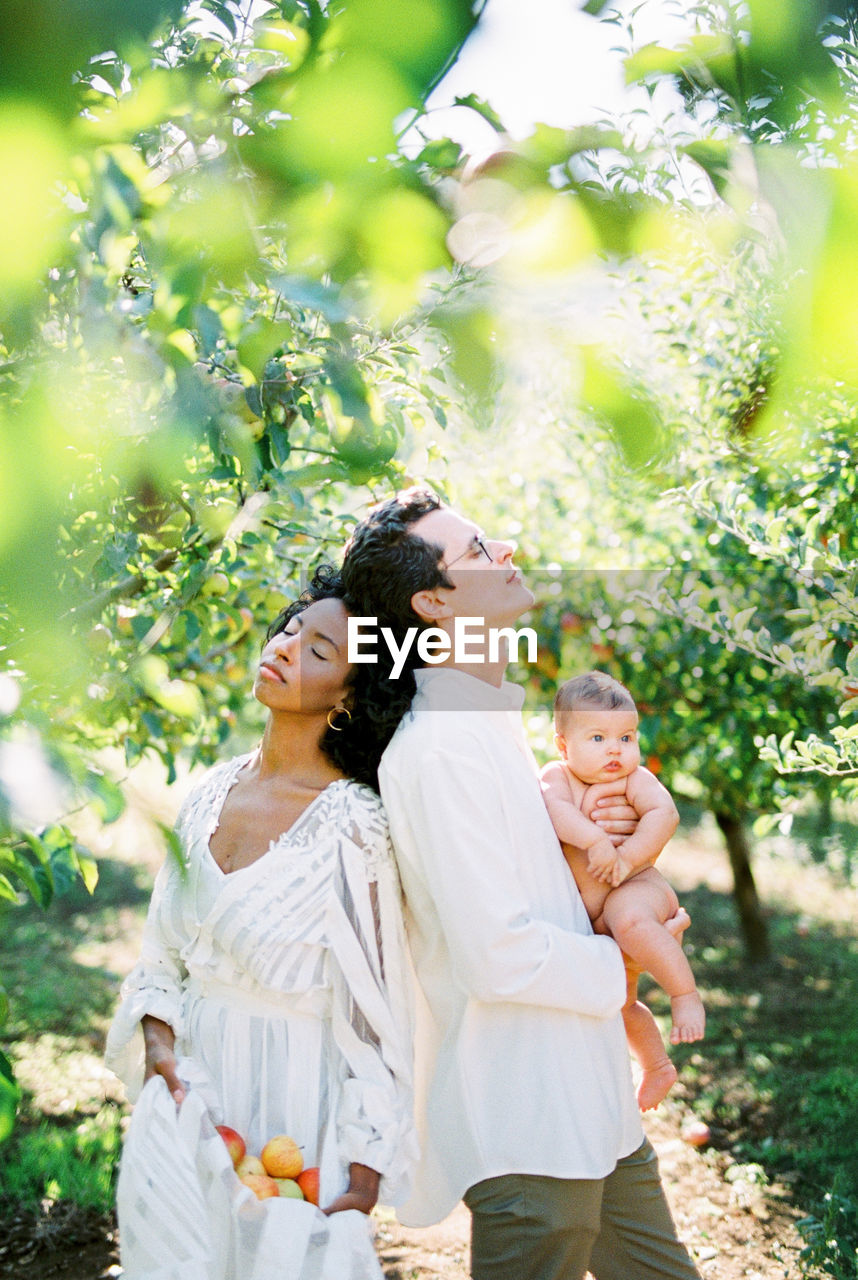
263, 1187
282, 1157
696, 1133
250, 1164
308, 1181
289, 1189
216, 584
572, 623
234, 1143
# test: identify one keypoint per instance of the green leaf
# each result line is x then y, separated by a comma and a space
483, 109
9, 1097
741, 619
653, 60
260, 340
327, 299
222, 12
441, 153
109, 797
7, 890
714, 156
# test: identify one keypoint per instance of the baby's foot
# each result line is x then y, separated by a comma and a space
677, 924
689, 1018
656, 1085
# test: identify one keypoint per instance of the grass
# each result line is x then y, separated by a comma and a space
776, 1078
66, 1143
56, 1162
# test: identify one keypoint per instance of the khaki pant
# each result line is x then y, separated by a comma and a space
525, 1227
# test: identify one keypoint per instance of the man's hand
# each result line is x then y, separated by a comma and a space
159, 1039
362, 1192
605, 804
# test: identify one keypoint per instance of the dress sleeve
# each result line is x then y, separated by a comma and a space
371, 983
155, 984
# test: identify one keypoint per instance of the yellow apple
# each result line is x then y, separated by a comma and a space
282, 1157
250, 1164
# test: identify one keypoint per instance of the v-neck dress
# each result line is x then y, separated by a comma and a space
286, 984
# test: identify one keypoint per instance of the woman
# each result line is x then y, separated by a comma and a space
271, 989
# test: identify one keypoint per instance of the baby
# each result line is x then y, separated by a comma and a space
596, 725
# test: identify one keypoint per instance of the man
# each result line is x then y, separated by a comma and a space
525, 1100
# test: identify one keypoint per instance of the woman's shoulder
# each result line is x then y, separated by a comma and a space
212, 784
219, 774
358, 800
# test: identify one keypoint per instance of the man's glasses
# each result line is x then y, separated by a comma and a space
476, 544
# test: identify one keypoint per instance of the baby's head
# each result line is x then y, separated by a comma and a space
596, 727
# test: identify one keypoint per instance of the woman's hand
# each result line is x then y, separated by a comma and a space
159, 1039
362, 1193
605, 804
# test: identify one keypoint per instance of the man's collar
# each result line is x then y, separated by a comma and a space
448, 689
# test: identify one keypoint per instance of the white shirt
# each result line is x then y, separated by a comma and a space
522, 1064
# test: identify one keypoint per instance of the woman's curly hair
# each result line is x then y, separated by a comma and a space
377, 704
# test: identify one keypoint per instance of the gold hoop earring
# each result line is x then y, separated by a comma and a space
338, 728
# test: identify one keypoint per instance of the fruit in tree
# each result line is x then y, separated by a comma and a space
308, 1181
263, 1187
216, 584
250, 1164
282, 1157
572, 623
289, 1189
234, 1143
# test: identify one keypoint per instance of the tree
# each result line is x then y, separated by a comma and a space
208, 361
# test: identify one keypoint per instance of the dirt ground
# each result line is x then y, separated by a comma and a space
734, 1229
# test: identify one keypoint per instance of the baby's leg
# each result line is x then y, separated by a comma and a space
658, 1074
635, 914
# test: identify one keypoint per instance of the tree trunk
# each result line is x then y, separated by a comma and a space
755, 931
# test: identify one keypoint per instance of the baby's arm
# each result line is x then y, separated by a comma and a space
569, 822
659, 819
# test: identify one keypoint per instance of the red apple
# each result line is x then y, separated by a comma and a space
696, 1133
234, 1143
263, 1187
282, 1157
308, 1181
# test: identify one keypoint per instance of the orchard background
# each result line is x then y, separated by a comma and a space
244, 290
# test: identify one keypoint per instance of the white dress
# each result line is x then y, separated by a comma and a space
286, 985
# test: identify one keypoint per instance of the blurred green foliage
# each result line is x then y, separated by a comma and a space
233, 308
